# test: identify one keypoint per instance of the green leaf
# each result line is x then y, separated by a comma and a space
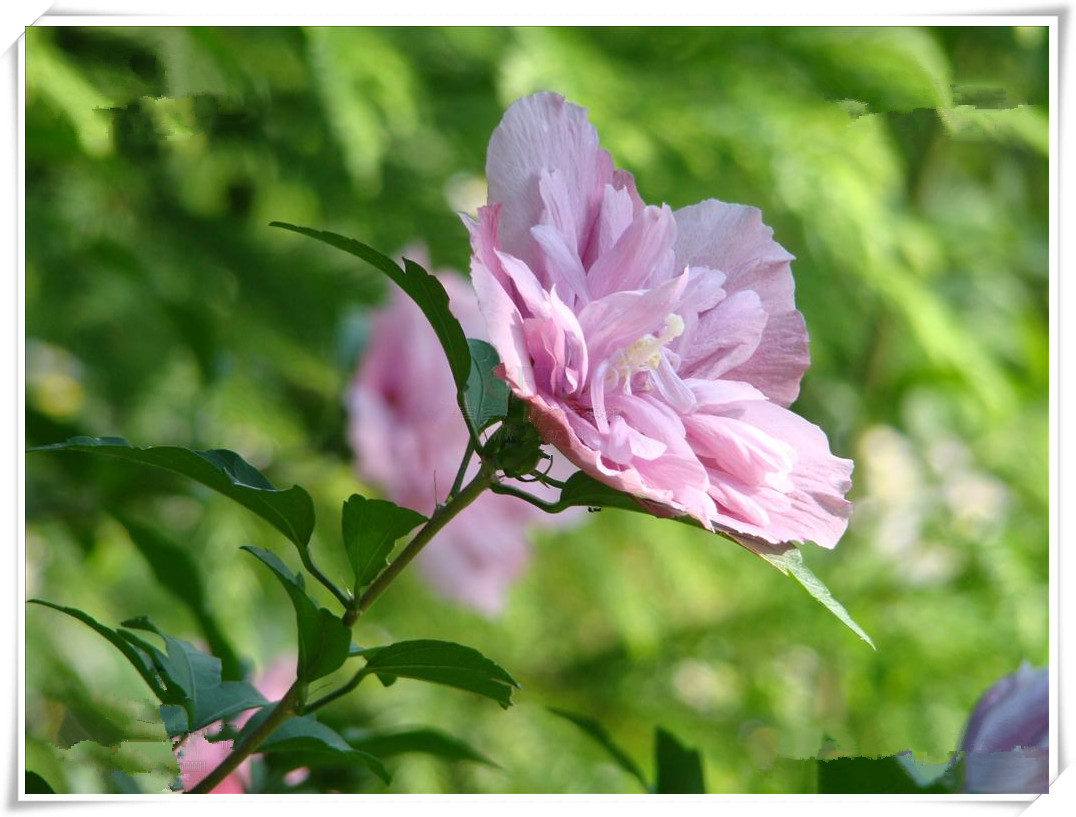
791, 563
175, 569
371, 528
486, 396
324, 641
206, 698
424, 741
223, 701
678, 770
596, 731
896, 774
139, 660
36, 784
291, 512
582, 490
308, 735
175, 720
422, 287
441, 662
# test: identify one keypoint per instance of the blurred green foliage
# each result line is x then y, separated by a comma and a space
906, 169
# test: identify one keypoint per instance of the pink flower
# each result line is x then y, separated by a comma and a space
408, 436
657, 350
198, 756
1006, 741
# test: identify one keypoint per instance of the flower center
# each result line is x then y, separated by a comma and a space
645, 354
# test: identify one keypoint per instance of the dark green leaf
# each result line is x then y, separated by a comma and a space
677, 769
371, 528
291, 512
175, 568
486, 397
175, 719
36, 784
224, 701
424, 741
596, 731
441, 662
177, 662
308, 735
422, 287
791, 563
582, 490
139, 660
206, 698
324, 641
897, 774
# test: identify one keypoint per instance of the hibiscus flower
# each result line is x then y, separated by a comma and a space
659, 350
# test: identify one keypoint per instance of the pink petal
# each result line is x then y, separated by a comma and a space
733, 239
724, 337
815, 510
618, 320
718, 394
505, 329
642, 256
530, 296
563, 269
544, 133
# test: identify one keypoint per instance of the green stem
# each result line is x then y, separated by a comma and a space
312, 569
337, 693
463, 469
281, 712
508, 490
441, 517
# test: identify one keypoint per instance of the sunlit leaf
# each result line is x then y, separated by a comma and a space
791, 563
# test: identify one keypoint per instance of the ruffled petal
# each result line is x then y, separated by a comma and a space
505, 326
815, 509
618, 320
724, 337
733, 239
544, 133
642, 255
563, 269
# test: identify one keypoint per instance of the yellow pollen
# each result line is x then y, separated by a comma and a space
645, 353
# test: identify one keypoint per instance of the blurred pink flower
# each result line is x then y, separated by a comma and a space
1006, 741
657, 350
408, 436
198, 756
